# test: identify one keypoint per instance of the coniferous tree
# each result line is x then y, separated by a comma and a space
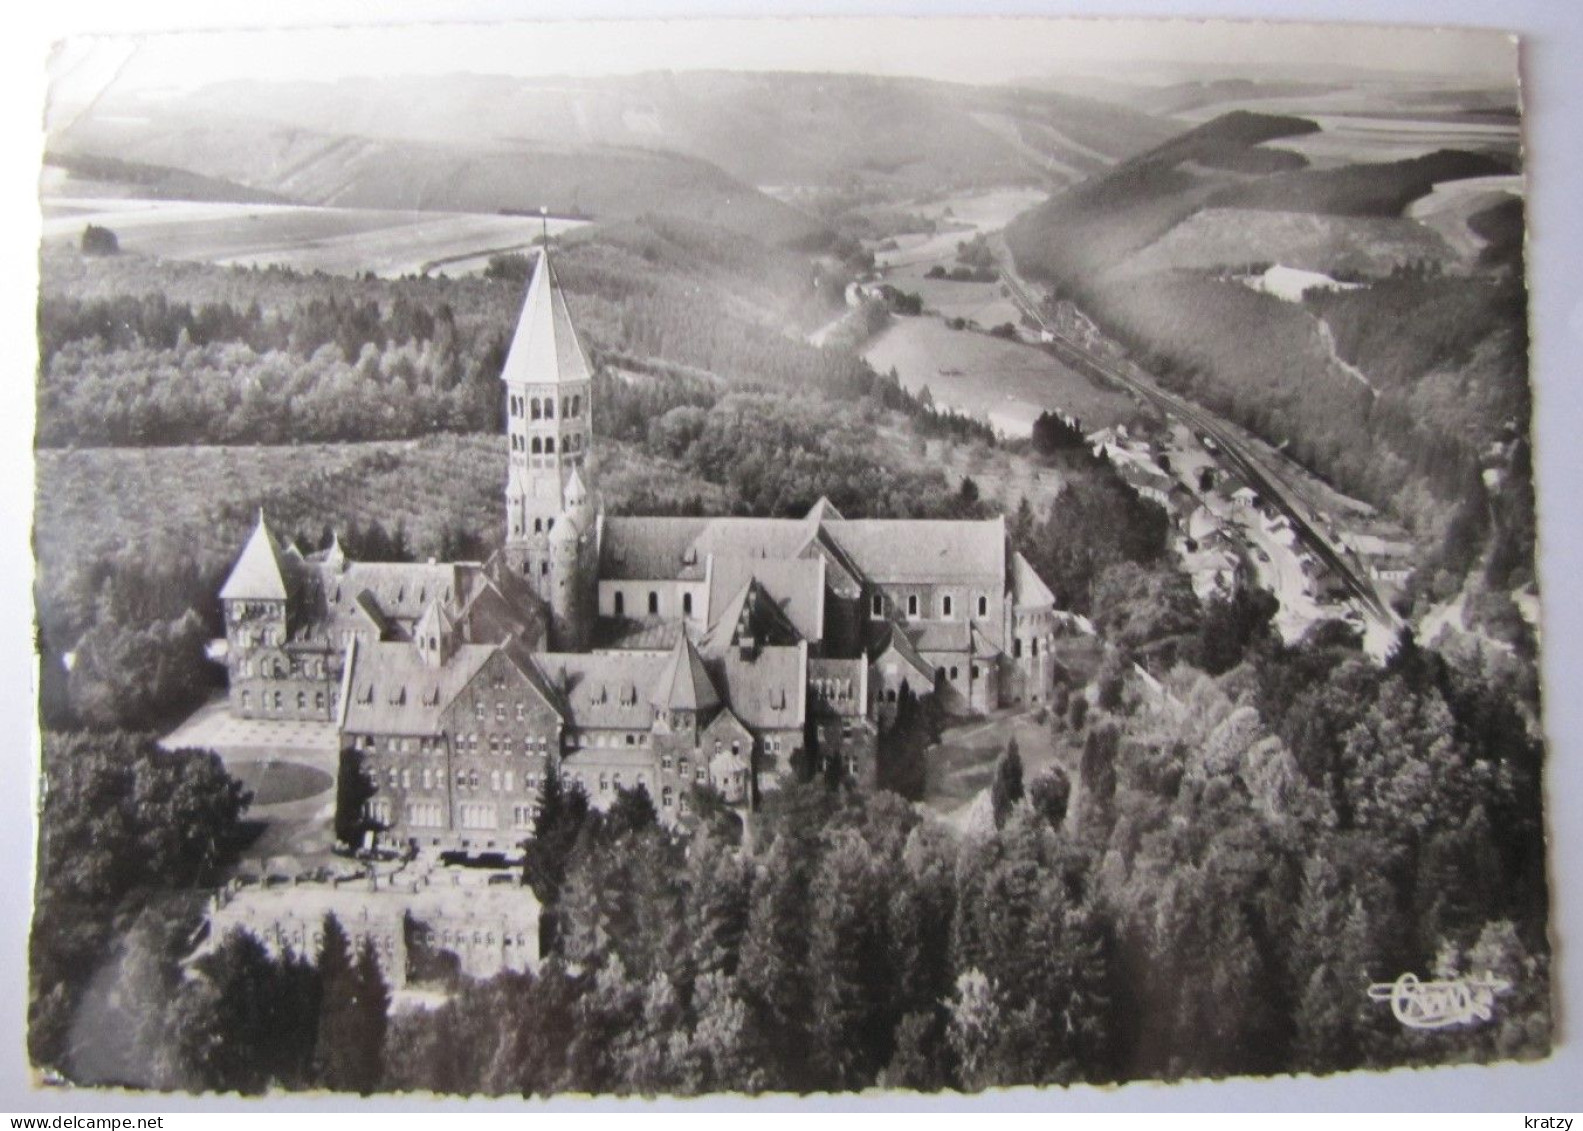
1006, 789
563, 811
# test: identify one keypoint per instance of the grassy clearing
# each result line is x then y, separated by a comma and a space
338, 241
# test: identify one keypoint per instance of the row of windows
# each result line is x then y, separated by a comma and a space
1016, 647
546, 446
276, 668
499, 744
476, 937
277, 701
479, 817
543, 408
916, 608
428, 777
619, 603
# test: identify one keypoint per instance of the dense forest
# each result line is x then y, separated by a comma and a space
269, 356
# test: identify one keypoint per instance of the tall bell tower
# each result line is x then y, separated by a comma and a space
551, 506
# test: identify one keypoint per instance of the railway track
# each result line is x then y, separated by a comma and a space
1205, 425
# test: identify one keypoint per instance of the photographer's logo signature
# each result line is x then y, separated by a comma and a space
1439, 1005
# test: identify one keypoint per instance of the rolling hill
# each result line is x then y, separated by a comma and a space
1397, 390
353, 171
760, 128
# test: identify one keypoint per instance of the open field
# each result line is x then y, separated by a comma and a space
961, 217
1007, 383
1229, 237
977, 302
338, 241
1365, 137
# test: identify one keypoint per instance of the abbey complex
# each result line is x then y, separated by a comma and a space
667, 653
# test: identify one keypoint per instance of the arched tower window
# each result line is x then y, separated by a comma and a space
549, 408
535, 409
620, 604
577, 405
538, 446
687, 604
654, 603
549, 445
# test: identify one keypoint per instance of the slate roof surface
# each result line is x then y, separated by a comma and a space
940, 635
684, 683
544, 349
1027, 587
769, 691
604, 690
924, 550
259, 573
794, 585
391, 690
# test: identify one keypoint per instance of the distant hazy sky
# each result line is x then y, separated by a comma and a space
981, 50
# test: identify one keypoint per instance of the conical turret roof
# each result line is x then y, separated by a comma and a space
545, 349
684, 683
259, 574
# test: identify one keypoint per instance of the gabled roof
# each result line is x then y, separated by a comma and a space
603, 689
545, 349
822, 510
684, 683
890, 638
1028, 589
750, 612
794, 586
677, 548
770, 690
647, 549
260, 572
934, 550
390, 690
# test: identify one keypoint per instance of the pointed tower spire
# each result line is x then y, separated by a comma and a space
551, 504
544, 349
260, 572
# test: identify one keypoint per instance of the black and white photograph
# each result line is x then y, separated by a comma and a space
775, 557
